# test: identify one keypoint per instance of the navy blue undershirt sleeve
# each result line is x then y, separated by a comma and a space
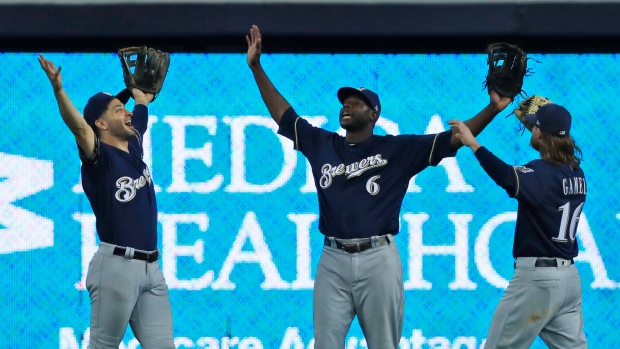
502, 173
139, 121
140, 118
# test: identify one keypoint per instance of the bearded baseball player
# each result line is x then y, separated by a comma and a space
361, 180
544, 296
125, 282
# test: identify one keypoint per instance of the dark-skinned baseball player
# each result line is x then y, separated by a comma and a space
361, 180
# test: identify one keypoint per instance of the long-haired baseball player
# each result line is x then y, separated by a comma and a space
124, 279
544, 296
361, 180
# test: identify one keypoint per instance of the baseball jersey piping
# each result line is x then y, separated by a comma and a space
430, 158
138, 137
517, 176
96, 153
90, 160
296, 140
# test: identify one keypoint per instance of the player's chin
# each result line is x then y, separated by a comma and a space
348, 124
129, 133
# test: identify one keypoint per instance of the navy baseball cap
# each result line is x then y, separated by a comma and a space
99, 102
551, 119
371, 98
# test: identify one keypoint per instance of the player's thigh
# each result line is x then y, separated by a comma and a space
113, 284
333, 309
379, 297
565, 330
526, 306
151, 319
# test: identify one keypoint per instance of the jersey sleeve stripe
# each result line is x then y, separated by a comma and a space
430, 158
517, 177
138, 137
296, 140
93, 159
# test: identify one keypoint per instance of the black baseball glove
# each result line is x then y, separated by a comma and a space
507, 68
150, 68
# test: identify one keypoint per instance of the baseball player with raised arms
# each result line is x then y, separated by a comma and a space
544, 296
124, 280
361, 181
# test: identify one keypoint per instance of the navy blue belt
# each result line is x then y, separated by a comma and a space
149, 257
355, 246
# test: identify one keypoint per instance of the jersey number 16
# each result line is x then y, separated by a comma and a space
565, 209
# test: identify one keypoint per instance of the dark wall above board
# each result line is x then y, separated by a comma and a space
399, 28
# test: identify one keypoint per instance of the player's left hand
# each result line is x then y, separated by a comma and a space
463, 133
498, 102
141, 97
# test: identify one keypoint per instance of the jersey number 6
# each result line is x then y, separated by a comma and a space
372, 187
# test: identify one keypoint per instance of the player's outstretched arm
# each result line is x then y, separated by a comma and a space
84, 135
274, 101
502, 173
140, 117
463, 133
484, 117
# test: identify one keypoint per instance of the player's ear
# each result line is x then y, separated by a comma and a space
374, 116
101, 124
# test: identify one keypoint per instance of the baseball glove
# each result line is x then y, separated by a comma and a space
150, 68
507, 68
529, 106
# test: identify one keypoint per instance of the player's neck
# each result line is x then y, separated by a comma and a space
115, 142
358, 136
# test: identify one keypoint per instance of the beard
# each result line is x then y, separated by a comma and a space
535, 144
120, 131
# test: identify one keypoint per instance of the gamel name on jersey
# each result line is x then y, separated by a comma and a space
574, 186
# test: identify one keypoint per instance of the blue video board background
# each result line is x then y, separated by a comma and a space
238, 209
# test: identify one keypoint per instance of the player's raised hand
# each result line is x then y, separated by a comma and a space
498, 101
254, 46
53, 74
141, 97
463, 133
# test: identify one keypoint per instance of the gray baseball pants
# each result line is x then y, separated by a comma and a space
539, 301
368, 284
124, 290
